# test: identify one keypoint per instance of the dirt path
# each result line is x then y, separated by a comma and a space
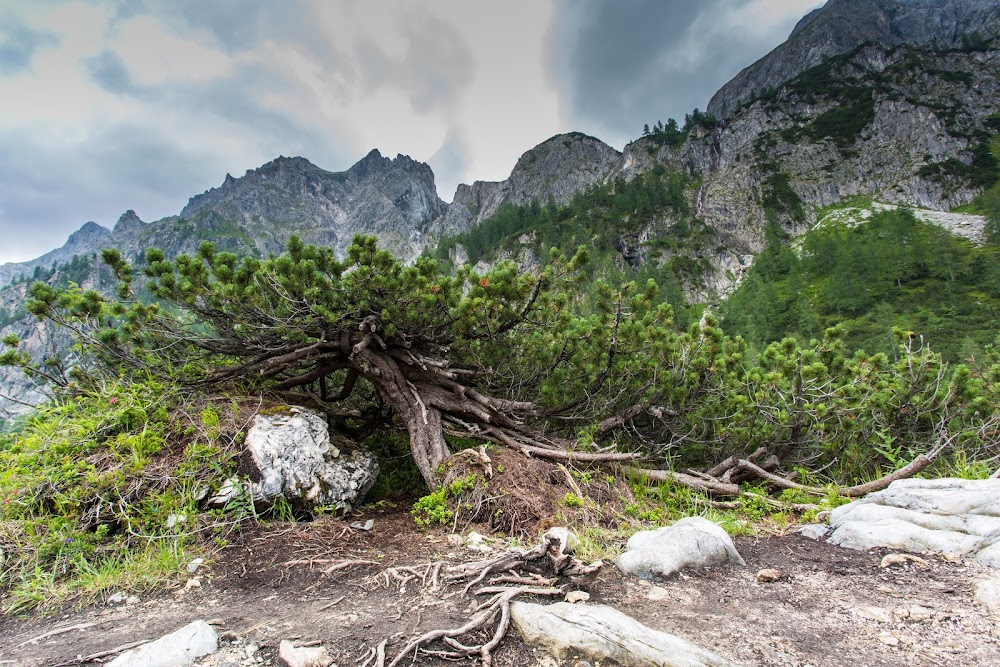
833, 608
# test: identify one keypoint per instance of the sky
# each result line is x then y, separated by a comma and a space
109, 105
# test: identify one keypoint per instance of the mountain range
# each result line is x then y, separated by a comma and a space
894, 101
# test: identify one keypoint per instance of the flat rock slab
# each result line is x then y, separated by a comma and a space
290, 655
598, 633
177, 649
953, 516
690, 542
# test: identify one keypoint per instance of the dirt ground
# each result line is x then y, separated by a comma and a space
831, 608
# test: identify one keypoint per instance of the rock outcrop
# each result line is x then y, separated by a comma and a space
291, 450
843, 25
952, 516
602, 633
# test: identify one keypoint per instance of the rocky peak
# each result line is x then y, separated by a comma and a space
841, 26
374, 162
128, 222
805, 20
556, 170
560, 167
88, 232
395, 199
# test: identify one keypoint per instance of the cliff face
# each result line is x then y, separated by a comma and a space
841, 26
392, 199
554, 170
899, 124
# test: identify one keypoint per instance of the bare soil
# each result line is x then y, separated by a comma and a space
831, 608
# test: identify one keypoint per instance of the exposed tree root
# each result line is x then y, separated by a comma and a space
519, 567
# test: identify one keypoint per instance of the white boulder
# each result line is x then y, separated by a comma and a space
179, 648
290, 655
953, 516
599, 633
690, 542
292, 451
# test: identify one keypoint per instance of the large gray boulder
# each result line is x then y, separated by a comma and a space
690, 542
953, 516
292, 451
599, 633
179, 648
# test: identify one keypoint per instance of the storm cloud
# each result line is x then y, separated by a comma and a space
623, 63
118, 104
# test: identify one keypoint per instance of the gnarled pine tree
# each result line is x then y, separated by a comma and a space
367, 340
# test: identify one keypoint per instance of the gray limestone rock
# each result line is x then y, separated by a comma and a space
954, 516
690, 542
290, 655
292, 451
179, 648
814, 531
843, 25
598, 632
988, 594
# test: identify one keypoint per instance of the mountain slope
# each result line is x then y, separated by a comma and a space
902, 125
84, 241
841, 26
556, 170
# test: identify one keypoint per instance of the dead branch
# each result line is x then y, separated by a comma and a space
715, 487
909, 470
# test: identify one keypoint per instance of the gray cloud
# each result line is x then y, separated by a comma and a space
623, 63
234, 98
450, 163
109, 71
241, 25
438, 63
47, 194
18, 45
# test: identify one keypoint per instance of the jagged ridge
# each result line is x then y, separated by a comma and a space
841, 26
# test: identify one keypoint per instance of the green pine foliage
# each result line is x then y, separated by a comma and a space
892, 271
603, 220
88, 485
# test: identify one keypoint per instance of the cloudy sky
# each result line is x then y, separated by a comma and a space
118, 104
